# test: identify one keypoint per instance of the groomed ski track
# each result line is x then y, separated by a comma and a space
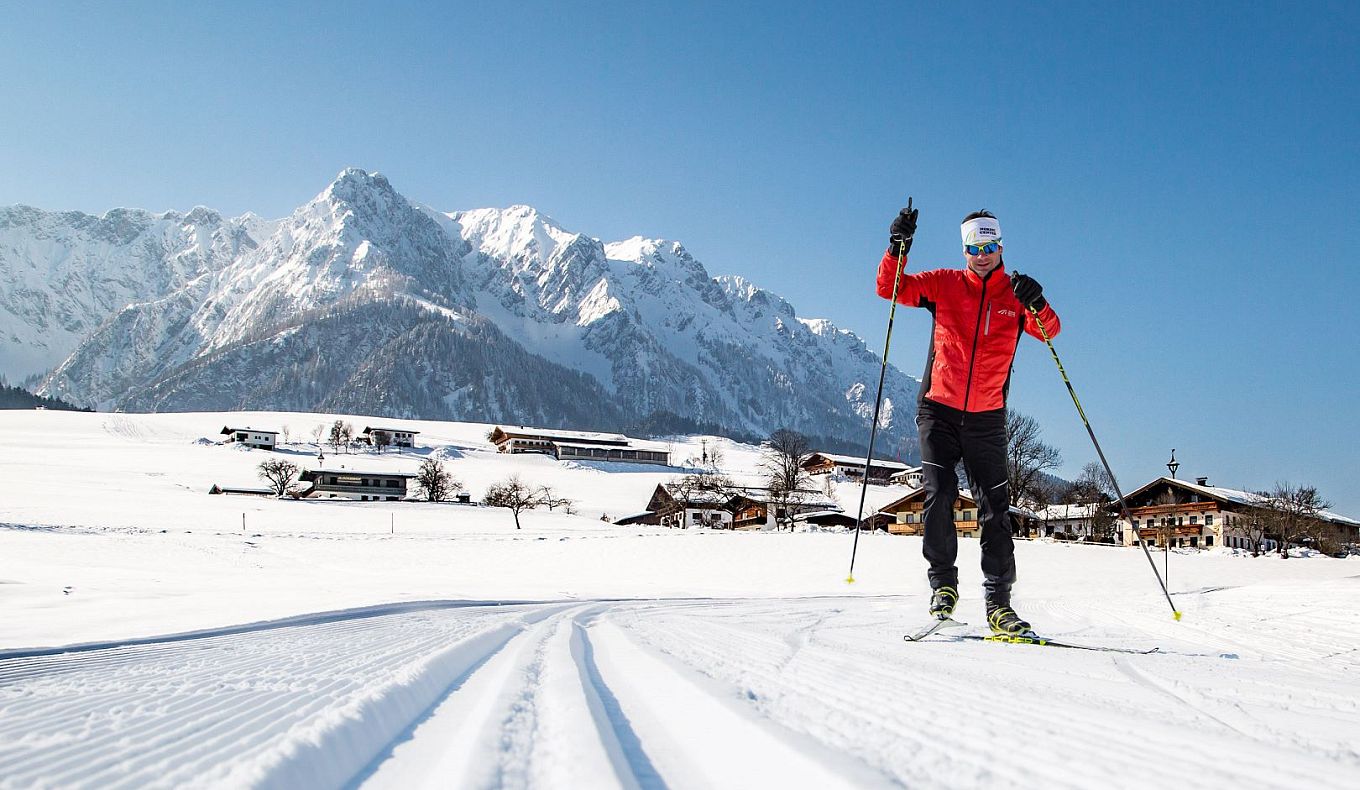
678, 693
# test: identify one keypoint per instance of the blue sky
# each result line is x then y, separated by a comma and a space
1182, 180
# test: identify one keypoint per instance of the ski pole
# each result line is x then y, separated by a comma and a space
1123, 506
878, 401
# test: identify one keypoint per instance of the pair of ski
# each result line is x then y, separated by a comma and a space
1027, 638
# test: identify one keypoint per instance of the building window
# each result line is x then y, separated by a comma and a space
1208, 519
1194, 519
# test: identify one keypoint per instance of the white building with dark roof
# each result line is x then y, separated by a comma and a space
252, 437
355, 484
397, 437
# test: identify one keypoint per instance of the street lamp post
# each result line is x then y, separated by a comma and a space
1173, 465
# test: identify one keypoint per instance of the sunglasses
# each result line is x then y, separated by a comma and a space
981, 249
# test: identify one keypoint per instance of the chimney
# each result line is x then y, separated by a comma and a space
1201, 481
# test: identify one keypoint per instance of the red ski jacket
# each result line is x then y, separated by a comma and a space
977, 327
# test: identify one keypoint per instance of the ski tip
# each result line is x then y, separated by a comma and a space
1176, 614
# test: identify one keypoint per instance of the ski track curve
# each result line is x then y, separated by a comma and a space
692, 693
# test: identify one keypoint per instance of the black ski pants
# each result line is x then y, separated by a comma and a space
979, 440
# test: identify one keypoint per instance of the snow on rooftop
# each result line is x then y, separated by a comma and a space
851, 460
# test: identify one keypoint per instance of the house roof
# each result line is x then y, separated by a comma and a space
502, 434
804, 497
313, 474
367, 429
229, 430
853, 461
1060, 512
632, 444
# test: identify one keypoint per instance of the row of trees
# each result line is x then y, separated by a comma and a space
339, 435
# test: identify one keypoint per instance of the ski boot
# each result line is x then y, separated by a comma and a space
1003, 620
943, 601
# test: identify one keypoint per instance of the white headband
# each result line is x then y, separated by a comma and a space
981, 230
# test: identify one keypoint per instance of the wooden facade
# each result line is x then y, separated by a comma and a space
908, 515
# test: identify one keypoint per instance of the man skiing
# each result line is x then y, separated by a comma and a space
979, 314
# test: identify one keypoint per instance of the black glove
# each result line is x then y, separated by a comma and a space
1028, 291
903, 228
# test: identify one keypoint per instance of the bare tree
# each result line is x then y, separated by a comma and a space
1094, 489
514, 494
286, 433
435, 484
347, 436
279, 473
782, 462
336, 437
549, 498
318, 432
686, 488
1249, 525
1027, 457
381, 440
1293, 514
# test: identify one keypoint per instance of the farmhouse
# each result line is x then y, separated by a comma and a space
578, 445
756, 508
730, 508
252, 437
905, 516
685, 509
1183, 514
852, 468
397, 437
1076, 522
356, 485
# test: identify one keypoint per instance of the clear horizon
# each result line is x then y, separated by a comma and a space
1174, 176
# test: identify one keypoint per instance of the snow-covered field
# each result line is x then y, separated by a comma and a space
148, 640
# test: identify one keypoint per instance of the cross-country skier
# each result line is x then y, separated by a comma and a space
980, 312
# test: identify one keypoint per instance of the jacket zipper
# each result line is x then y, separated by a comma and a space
972, 358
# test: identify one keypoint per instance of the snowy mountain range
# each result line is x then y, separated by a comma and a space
366, 302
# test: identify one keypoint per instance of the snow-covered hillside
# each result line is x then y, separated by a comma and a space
328, 644
364, 300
